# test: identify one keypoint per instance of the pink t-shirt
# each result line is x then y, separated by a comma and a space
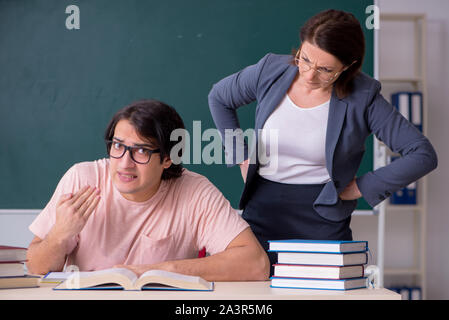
185, 215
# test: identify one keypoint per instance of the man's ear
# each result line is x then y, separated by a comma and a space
167, 162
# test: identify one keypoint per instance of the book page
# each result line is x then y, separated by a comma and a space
85, 279
122, 271
173, 279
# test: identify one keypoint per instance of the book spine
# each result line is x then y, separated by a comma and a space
416, 108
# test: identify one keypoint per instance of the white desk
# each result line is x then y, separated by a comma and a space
256, 290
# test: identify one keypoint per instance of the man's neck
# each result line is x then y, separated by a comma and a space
144, 195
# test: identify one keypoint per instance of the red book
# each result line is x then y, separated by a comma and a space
12, 254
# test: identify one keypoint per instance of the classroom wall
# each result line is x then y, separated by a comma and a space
400, 226
14, 228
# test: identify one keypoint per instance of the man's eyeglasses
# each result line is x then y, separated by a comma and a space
138, 154
323, 73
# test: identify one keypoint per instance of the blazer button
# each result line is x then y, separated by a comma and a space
387, 193
381, 197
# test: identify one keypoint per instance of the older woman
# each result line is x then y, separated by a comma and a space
324, 109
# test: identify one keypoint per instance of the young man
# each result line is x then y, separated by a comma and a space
139, 210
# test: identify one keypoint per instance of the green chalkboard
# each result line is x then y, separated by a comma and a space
59, 87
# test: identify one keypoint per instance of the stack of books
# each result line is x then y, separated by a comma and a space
319, 264
12, 269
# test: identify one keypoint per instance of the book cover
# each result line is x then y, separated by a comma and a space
26, 281
318, 284
14, 269
331, 246
323, 259
317, 271
12, 254
401, 101
416, 108
410, 105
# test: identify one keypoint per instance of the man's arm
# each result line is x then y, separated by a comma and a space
46, 255
72, 212
244, 259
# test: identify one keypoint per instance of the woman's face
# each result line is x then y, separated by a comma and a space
317, 68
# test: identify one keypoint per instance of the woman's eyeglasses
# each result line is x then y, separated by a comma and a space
323, 73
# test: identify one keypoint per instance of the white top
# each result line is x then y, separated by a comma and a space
300, 147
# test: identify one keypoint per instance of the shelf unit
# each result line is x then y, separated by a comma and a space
417, 82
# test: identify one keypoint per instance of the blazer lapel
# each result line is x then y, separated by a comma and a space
336, 118
279, 90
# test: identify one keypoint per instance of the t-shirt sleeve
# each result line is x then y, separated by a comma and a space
217, 222
44, 222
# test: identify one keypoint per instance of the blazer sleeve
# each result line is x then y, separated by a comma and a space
418, 156
225, 97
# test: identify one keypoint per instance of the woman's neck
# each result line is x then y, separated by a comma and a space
308, 96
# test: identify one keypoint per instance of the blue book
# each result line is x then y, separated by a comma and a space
125, 279
399, 197
401, 101
319, 284
324, 246
405, 196
416, 109
410, 105
411, 193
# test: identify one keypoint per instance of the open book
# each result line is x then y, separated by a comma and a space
125, 279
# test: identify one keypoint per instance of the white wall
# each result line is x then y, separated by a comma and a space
399, 226
14, 227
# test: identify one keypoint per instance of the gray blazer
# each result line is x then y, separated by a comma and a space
351, 120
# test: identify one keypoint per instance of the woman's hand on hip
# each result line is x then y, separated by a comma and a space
351, 192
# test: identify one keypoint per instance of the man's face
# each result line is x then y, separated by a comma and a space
136, 182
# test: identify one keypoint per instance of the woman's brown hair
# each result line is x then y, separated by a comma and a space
340, 34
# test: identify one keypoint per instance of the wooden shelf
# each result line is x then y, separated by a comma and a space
403, 271
401, 17
396, 82
364, 213
404, 207
413, 80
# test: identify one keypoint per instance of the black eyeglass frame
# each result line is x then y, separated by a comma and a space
109, 144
